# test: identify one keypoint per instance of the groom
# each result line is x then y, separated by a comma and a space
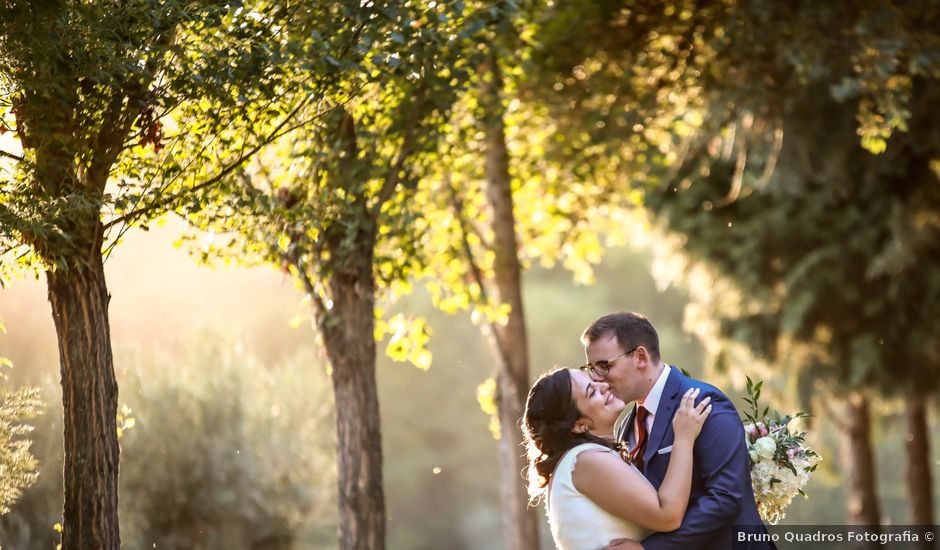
622, 350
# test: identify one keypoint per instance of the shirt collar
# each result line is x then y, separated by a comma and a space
651, 403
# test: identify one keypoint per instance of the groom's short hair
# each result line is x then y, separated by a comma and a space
630, 329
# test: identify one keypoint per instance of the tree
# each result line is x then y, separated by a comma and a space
822, 263
333, 205
87, 90
510, 339
499, 203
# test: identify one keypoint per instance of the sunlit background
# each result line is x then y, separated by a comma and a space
228, 412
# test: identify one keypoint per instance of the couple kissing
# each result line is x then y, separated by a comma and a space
673, 474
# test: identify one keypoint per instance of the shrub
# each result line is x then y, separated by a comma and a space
18, 467
218, 451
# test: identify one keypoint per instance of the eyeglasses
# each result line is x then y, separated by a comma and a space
601, 368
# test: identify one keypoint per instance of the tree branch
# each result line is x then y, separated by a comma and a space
117, 122
307, 282
475, 270
278, 131
391, 181
737, 179
478, 231
832, 415
11, 223
11, 155
774, 156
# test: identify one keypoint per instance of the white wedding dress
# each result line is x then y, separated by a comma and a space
576, 522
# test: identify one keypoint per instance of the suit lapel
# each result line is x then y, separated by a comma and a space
663, 418
627, 426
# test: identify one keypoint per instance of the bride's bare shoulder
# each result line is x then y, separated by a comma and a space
598, 465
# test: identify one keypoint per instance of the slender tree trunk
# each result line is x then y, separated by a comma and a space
860, 457
520, 526
917, 474
79, 300
347, 329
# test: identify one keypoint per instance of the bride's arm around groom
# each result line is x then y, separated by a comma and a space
622, 491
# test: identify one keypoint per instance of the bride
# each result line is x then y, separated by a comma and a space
592, 495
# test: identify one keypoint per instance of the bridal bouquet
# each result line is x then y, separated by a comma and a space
781, 462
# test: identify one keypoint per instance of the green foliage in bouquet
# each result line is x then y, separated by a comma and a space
781, 461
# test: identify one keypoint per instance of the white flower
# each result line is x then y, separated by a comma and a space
754, 456
775, 485
765, 447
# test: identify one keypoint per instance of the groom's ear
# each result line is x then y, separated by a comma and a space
642, 356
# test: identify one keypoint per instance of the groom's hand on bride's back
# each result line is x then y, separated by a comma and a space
623, 544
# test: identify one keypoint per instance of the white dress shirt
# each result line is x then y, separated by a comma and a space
651, 403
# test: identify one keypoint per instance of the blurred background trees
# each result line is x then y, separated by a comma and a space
441, 467
800, 163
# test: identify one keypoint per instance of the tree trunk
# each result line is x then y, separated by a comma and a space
79, 298
347, 329
917, 474
860, 458
520, 525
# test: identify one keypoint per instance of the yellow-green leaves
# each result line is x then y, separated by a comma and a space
150, 106
564, 213
408, 339
338, 198
283, 243
4, 362
486, 397
125, 420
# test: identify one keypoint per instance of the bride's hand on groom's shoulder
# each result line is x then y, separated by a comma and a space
689, 419
624, 544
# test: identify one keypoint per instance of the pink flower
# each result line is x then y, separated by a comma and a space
761, 429
752, 432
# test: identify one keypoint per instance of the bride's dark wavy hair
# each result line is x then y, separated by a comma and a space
550, 414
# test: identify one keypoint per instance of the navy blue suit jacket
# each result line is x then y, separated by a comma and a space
721, 496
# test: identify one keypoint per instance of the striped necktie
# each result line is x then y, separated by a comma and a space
641, 436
